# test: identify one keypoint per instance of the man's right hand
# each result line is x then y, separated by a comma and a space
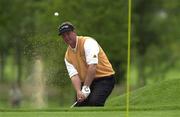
80, 96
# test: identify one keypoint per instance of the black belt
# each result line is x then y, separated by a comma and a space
104, 77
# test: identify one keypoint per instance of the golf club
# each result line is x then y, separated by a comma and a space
74, 104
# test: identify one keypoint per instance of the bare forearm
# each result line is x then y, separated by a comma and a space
77, 86
90, 74
76, 83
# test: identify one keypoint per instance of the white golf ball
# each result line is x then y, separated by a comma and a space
56, 14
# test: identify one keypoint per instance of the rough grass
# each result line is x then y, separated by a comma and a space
161, 95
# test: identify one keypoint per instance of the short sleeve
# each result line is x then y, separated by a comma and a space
91, 49
70, 68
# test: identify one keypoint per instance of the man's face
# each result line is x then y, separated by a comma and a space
69, 37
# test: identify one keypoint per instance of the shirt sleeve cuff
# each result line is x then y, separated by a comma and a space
73, 74
92, 61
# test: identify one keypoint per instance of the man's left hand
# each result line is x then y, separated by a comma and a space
86, 91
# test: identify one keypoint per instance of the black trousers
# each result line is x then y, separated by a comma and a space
100, 90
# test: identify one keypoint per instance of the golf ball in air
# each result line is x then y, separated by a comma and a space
56, 14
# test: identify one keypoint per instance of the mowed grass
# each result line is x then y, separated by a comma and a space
159, 99
161, 95
169, 113
160, 113
60, 114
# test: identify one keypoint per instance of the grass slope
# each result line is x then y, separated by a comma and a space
164, 94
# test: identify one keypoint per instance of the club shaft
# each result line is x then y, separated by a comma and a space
74, 104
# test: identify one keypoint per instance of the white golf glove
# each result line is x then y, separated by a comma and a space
86, 91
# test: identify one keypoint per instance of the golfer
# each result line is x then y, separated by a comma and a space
88, 67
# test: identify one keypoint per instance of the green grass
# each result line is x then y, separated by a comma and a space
61, 114
169, 113
159, 99
175, 113
162, 95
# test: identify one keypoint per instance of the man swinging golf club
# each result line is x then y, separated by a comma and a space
88, 67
